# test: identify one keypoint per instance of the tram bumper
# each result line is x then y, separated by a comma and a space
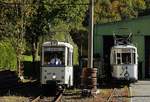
123, 79
53, 82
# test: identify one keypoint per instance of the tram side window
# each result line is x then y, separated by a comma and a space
118, 58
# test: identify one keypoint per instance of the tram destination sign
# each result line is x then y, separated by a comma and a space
54, 49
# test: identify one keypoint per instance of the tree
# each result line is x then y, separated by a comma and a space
50, 16
116, 10
12, 27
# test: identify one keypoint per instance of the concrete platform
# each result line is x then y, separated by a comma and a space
140, 91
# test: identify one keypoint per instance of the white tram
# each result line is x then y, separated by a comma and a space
60, 69
124, 62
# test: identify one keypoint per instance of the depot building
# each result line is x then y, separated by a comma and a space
104, 40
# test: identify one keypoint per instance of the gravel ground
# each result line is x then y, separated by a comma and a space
120, 95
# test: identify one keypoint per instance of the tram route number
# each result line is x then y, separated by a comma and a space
53, 43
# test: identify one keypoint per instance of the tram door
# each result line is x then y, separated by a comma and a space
108, 42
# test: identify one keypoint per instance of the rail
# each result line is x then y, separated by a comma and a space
36, 99
115, 95
59, 96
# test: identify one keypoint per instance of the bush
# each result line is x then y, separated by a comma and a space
8, 56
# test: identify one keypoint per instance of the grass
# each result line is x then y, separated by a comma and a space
28, 58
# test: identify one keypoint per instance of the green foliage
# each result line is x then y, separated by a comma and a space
116, 10
69, 11
147, 2
42, 20
80, 37
43, 17
8, 56
12, 27
75, 54
48, 17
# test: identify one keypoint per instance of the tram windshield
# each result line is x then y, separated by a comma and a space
54, 56
126, 58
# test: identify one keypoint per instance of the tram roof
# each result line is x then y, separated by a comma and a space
124, 46
57, 43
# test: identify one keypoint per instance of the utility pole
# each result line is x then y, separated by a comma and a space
90, 35
89, 74
93, 71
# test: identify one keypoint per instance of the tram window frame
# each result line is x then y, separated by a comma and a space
119, 60
114, 58
118, 57
134, 58
69, 57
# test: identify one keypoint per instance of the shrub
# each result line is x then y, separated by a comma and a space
8, 56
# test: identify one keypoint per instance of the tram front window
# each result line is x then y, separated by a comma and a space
54, 56
126, 58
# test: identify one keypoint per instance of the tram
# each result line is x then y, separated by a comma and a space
57, 63
124, 61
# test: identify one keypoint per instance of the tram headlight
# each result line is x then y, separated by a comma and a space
54, 77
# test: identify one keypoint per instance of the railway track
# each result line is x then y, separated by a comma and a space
59, 96
113, 95
9, 81
116, 94
56, 98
